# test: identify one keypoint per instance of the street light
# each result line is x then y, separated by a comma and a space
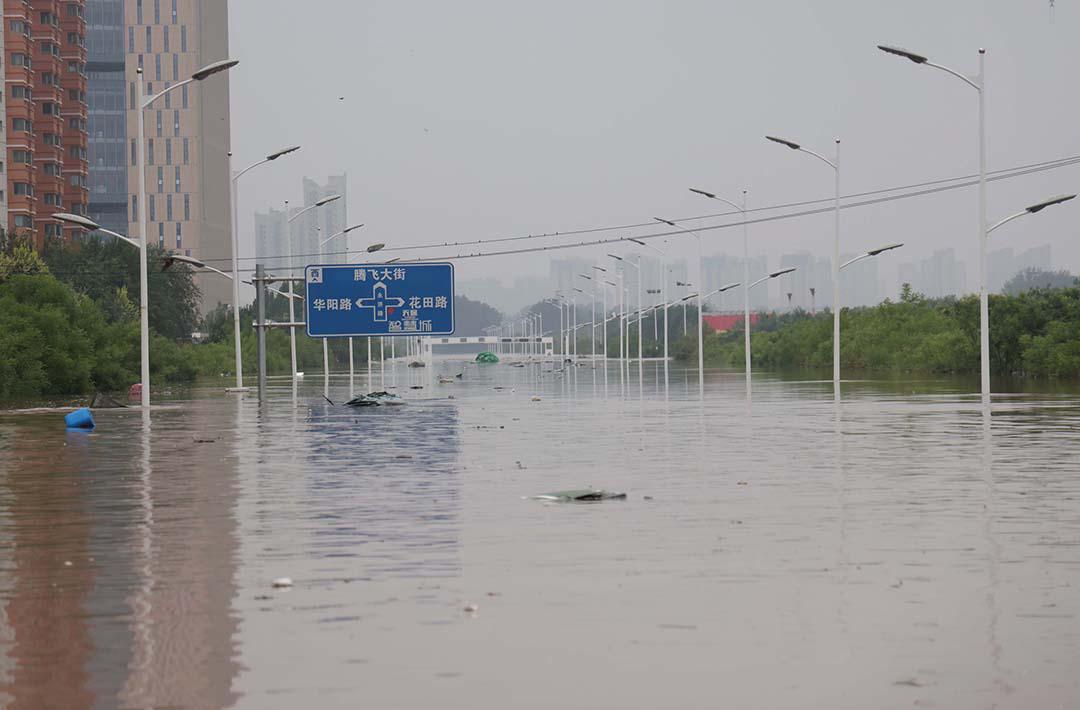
144, 313
292, 317
835, 165
236, 258
746, 275
592, 327
872, 252
773, 275
1039, 207
640, 287
663, 295
700, 322
325, 356
91, 225
978, 83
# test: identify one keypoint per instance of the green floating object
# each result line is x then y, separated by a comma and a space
487, 357
584, 495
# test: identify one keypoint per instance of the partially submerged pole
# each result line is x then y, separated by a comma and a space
260, 326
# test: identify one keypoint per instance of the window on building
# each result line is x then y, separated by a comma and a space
134, 152
24, 220
75, 68
183, 38
19, 27
168, 207
134, 208
160, 180
138, 12
23, 188
150, 151
176, 67
74, 9
52, 139
149, 48
49, 79
168, 97
18, 59
131, 90
52, 169
18, 91
174, 12
183, 90
74, 38
22, 156
151, 208
49, 108
187, 207
168, 151
165, 38
157, 67
176, 179
157, 12
178, 235
176, 123
161, 234
131, 40
52, 198
20, 124
140, 61
185, 151
159, 123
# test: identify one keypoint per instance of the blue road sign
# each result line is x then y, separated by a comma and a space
380, 299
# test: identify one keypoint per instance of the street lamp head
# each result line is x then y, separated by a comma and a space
727, 288
327, 200
375, 247
668, 222
394, 260
349, 229
1047, 203
578, 290
78, 220
169, 259
216, 67
613, 256
781, 272
636, 241
585, 276
782, 141
283, 151
609, 283
600, 268
880, 250
917, 58
710, 195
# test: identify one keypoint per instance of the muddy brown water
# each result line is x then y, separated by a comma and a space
900, 549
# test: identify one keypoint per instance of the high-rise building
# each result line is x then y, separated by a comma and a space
3, 136
306, 231
938, 276
564, 274
107, 90
858, 283
1003, 264
810, 273
45, 82
187, 130
722, 269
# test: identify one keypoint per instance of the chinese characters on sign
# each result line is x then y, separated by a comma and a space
356, 300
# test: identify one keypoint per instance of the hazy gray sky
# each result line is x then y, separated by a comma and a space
485, 118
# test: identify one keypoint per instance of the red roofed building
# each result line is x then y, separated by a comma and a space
722, 323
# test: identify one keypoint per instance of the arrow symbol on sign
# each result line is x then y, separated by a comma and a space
379, 303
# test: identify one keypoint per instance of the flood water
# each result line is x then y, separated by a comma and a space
897, 550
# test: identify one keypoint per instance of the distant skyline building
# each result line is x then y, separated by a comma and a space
723, 269
810, 273
859, 283
935, 277
1003, 264
271, 227
564, 274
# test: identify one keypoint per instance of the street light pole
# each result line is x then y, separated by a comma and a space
835, 165
236, 259
978, 83
144, 317
700, 313
746, 278
288, 240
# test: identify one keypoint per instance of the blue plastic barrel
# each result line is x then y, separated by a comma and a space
80, 419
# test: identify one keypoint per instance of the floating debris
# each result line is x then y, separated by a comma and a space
487, 358
104, 401
472, 608
81, 418
584, 495
375, 399
536, 398
417, 363
282, 582
203, 439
